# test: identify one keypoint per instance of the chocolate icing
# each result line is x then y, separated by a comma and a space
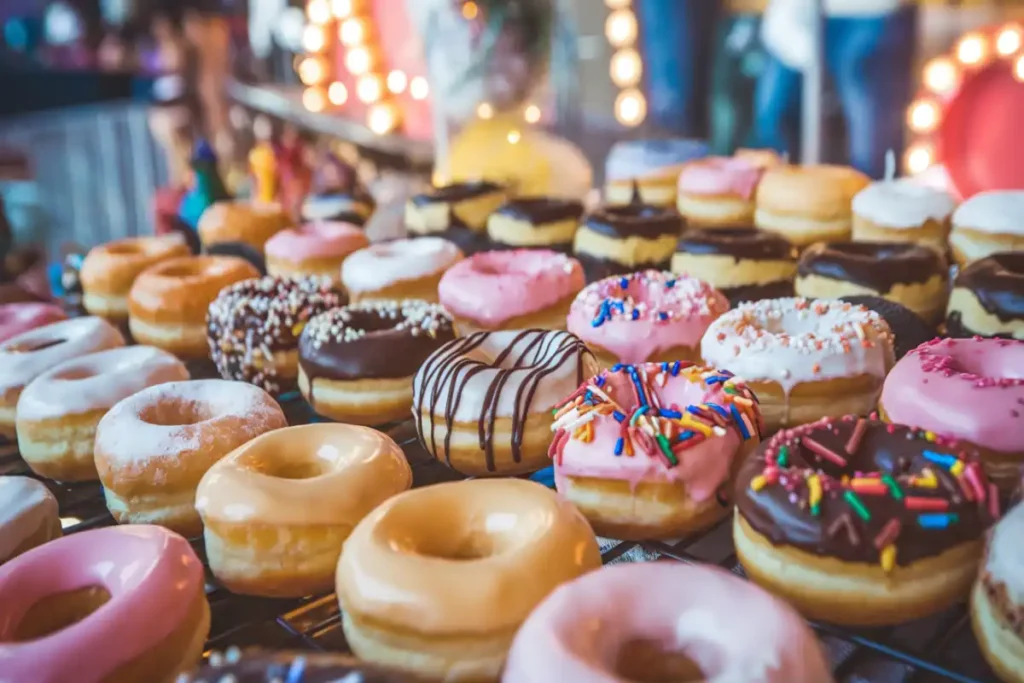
241, 250
908, 328
259, 667
878, 265
739, 242
634, 220
541, 210
838, 530
456, 192
469, 239
998, 283
772, 290
596, 268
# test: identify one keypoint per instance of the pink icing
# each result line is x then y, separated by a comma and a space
721, 175
732, 630
18, 318
324, 239
970, 389
152, 576
640, 315
494, 286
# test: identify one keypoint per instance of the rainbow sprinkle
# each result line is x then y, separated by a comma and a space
652, 295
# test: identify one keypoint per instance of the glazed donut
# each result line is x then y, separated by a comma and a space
804, 359
82, 608
544, 222
483, 403
971, 390
648, 316
347, 207
153, 447
168, 303
663, 621
30, 354
618, 240
17, 319
987, 223
261, 667
718, 191
429, 582
902, 211
646, 170
403, 269
908, 329
744, 264
58, 411
683, 430
277, 509
909, 274
455, 212
863, 523
242, 221
28, 516
356, 363
511, 290
997, 602
313, 249
988, 298
110, 269
808, 204
253, 328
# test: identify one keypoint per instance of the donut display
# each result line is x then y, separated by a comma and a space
403, 269
856, 521
902, 211
808, 204
457, 212
718, 191
618, 240
988, 298
29, 516
647, 170
997, 601
535, 222
318, 248
987, 223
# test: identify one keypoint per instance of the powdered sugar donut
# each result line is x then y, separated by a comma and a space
28, 516
403, 269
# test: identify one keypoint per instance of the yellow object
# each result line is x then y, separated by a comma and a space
888, 558
263, 164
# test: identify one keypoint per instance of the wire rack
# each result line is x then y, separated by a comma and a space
939, 648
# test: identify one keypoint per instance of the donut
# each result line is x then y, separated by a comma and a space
531, 222
987, 223
432, 583
313, 249
642, 450
114, 604
58, 411
647, 316
909, 274
862, 523
482, 403
997, 601
29, 354
168, 303
742, 263
253, 328
153, 447
356, 363
971, 390
902, 210
110, 269
511, 290
908, 329
647, 170
403, 269
804, 359
354, 207
261, 667
19, 318
663, 621
808, 204
456, 212
988, 298
277, 509
718, 191
242, 220
616, 240
28, 516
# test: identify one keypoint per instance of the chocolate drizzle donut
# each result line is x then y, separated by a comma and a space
277, 667
457, 212
615, 240
743, 263
988, 298
544, 222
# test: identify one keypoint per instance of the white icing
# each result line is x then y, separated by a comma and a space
326, 207
902, 203
998, 212
1006, 554
639, 158
106, 378
382, 265
25, 505
790, 341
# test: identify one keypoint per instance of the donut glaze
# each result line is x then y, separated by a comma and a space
28, 515
877, 266
742, 263
902, 204
319, 240
380, 266
988, 298
18, 318
720, 176
615, 240
729, 629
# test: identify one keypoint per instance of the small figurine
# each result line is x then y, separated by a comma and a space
263, 164
207, 187
294, 171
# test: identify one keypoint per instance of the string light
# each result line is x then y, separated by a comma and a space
1009, 41
470, 10
352, 32
382, 118
918, 158
369, 88
337, 93
484, 110
318, 11
514, 136
358, 61
341, 8
972, 49
314, 38
313, 99
532, 113
630, 107
397, 82
924, 116
418, 88
312, 70
621, 28
941, 75
626, 68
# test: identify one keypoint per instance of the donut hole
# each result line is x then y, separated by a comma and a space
648, 661
182, 270
76, 374
458, 533
59, 611
32, 346
176, 413
285, 468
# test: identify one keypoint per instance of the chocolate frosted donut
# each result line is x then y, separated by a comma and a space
457, 212
909, 274
743, 263
278, 667
909, 330
988, 298
353, 207
615, 240
539, 222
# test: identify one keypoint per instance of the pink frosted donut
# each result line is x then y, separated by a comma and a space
18, 318
618, 623
82, 607
965, 389
718, 191
509, 290
648, 316
313, 249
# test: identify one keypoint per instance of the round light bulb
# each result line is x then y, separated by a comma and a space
532, 113
514, 136
352, 32
318, 11
923, 116
918, 159
397, 82
337, 93
630, 107
484, 110
312, 70
341, 8
1008, 41
626, 68
358, 61
941, 75
418, 88
369, 88
382, 118
1018, 69
972, 49
621, 28
617, 4
313, 99
313, 38
470, 10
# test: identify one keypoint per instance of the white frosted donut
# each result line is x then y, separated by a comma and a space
59, 410
402, 269
28, 516
997, 605
902, 204
986, 223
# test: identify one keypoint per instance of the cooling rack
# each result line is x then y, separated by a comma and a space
939, 648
